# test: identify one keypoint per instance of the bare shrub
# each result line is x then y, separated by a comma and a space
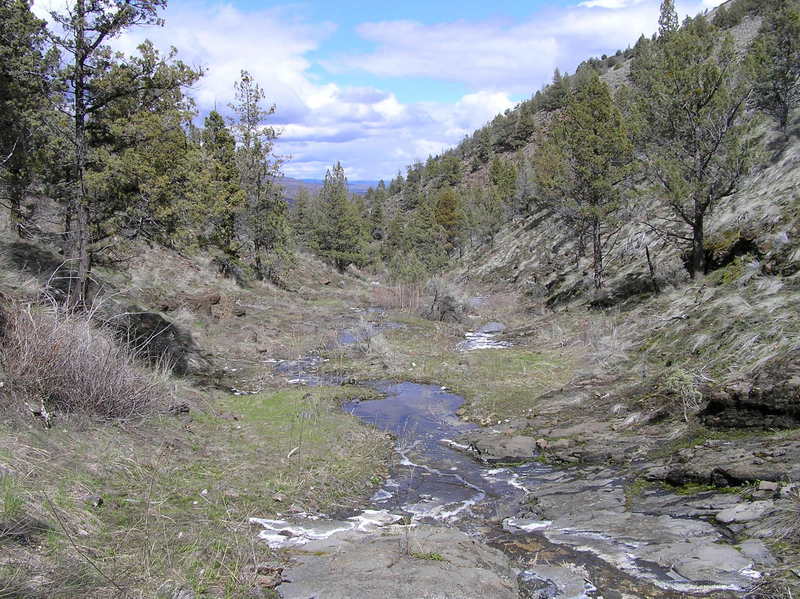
62, 362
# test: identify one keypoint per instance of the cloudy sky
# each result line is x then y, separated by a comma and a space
377, 85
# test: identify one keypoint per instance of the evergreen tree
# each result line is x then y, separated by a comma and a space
503, 177
86, 28
582, 164
341, 236
449, 216
303, 215
225, 197
776, 54
25, 81
377, 216
266, 210
142, 169
695, 138
425, 237
668, 19
555, 95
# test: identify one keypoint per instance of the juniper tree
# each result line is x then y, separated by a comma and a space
225, 199
25, 79
691, 91
776, 54
86, 27
581, 166
449, 216
340, 236
667, 19
266, 210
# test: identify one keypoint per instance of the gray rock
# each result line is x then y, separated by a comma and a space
159, 340
543, 581
402, 563
768, 486
653, 537
491, 328
758, 552
494, 447
745, 512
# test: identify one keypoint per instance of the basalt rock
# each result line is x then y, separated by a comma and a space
630, 286
159, 340
770, 400
445, 308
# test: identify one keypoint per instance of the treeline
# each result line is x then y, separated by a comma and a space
112, 139
682, 130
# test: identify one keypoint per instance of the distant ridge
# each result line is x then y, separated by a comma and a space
292, 186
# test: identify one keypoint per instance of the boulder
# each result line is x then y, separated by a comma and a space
157, 339
745, 512
621, 290
445, 308
491, 328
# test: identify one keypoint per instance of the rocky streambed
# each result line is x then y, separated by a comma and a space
472, 512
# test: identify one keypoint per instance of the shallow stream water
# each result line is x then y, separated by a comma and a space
437, 480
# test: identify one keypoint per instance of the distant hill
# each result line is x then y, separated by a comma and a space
292, 186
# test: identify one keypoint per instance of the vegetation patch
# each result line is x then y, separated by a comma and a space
433, 557
175, 495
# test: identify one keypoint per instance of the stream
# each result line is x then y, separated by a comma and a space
569, 533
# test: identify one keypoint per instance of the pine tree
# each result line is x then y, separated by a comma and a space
776, 56
695, 137
668, 19
266, 210
582, 164
341, 236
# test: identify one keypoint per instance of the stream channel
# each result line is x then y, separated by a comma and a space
597, 549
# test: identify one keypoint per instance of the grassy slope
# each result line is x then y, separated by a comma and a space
177, 491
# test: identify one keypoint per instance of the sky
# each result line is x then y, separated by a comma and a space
378, 85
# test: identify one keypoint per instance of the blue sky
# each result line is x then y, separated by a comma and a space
378, 85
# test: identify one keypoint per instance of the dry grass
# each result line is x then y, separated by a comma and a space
400, 296
61, 362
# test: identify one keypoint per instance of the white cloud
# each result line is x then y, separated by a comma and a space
513, 57
370, 130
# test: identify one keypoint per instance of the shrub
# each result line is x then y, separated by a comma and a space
685, 386
62, 362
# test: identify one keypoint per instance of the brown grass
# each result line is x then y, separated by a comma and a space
401, 296
62, 362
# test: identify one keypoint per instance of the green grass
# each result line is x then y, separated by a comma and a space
434, 557
177, 495
496, 384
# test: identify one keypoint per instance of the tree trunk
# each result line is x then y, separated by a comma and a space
697, 264
597, 254
78, 210
16, 192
